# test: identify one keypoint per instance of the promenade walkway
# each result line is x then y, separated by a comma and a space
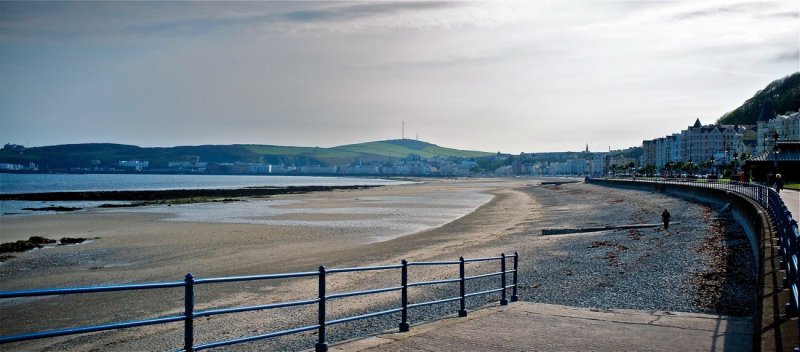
523, 326
792, 200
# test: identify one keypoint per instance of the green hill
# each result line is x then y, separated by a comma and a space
784, 94
400, 148
70, 156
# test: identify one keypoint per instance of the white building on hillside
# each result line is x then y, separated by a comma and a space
786, 126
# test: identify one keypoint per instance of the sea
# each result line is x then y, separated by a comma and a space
38, 183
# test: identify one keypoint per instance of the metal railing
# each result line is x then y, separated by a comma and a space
754, 191
779, 215
322, 299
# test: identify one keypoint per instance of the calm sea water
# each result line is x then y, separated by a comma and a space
34, 183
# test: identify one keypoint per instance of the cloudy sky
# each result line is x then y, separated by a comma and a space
527, 76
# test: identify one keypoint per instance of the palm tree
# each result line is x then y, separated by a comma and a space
680, 166
668, 167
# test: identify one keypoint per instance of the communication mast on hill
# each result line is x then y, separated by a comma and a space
403, 131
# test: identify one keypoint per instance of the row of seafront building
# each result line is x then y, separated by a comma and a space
535, 164
723, 144
513, 165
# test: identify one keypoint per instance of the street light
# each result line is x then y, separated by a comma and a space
713, 168
775, 149
727, 152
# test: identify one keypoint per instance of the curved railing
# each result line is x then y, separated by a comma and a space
322, 299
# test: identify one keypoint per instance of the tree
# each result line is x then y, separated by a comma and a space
648, 170
668, 167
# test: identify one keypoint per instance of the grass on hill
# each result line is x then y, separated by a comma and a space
400, 148
83, 155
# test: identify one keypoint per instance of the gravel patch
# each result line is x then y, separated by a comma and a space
703, 265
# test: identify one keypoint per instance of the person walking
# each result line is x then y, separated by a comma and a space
665, 215
778, 183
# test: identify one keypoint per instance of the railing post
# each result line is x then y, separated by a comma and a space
188, 312
462, 312
514, 296
503, 300
322, 343
404, 327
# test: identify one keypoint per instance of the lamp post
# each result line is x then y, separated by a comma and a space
775, 149
727, 162
713, 168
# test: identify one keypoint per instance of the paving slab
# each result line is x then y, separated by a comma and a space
792, 200
525, 326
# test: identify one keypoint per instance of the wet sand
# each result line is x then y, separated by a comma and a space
164, 243
145, 247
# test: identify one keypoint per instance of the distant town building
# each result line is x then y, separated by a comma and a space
317, 170
505, 170
702, 143
11, 167
361, 170
785, 127
190, 166
247, 168
14, 148
137, 165
597, 166
697, 143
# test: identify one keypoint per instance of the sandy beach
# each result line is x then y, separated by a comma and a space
436, 219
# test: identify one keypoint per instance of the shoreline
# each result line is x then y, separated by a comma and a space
153, 195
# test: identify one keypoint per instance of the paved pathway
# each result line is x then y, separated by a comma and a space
792, 200
523, 326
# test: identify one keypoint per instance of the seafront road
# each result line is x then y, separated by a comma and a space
525, 326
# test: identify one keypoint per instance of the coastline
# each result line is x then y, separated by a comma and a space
153, 195
569, 269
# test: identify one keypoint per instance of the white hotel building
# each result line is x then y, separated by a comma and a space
697, 143
786, 126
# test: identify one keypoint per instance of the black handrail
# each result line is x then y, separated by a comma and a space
189, 314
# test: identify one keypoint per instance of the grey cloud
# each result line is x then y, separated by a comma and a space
721, 10
777, 15
194, 26
23, 21
791, 56
332, 14
350, 12
269, 15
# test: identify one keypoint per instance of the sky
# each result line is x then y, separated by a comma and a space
532, 76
